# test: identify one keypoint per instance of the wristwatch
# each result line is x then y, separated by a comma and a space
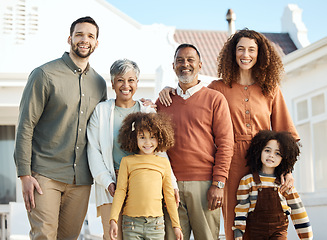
218, 184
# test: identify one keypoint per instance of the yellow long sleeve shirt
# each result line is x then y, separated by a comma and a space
141, 181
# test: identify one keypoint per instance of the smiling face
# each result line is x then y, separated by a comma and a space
187, 65
270, 157
147, 142
246, 53
125, 86
83, 40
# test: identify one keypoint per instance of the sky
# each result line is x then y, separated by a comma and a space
259, 15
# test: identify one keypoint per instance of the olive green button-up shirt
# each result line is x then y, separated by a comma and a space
57, 102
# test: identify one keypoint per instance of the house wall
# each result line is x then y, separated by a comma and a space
306, 78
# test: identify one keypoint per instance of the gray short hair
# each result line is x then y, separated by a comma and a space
122, 66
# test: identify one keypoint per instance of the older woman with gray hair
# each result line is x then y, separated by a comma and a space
104, 152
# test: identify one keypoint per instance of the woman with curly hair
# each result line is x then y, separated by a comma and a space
143, 177
262, 210
250, 71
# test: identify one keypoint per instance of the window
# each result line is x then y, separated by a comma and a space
7, 165
311, 122
302, 110
320, 137
318, 104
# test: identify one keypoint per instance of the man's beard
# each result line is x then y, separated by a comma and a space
187, 79
77, 52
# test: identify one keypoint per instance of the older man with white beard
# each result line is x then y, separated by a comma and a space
203, 147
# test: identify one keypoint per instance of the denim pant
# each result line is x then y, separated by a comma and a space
147, 228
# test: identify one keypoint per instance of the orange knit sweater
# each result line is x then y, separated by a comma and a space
203, 136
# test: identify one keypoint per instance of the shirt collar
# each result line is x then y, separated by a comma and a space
66, 58
189, 92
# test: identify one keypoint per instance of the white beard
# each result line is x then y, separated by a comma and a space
187, 79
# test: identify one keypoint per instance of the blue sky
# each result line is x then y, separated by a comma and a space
259, 15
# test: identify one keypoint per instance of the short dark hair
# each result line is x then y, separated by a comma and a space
158, 124
288, 147
186, 45
86, 19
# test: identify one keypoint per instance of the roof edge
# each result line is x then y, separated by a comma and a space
120, 13
316, 46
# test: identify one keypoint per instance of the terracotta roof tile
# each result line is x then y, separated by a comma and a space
209, 44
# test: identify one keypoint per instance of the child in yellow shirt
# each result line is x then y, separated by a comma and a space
143, 178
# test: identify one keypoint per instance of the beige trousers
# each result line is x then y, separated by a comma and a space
60, 211
193, 212
105, 218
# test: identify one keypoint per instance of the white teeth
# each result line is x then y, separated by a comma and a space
125, 92
245, 61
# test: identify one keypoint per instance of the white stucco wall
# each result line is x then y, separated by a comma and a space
152, 47
306, 74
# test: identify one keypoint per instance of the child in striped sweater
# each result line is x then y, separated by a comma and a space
262, 211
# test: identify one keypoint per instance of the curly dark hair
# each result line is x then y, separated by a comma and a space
158, 124
288, 147
268, 70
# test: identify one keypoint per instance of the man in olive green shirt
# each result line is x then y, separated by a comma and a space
50, 152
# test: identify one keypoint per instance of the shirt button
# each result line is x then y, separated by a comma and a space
79, 129
82, 112
248, 124
246, 99
83, 94
247, 111
77, 148
74, 164
246, 88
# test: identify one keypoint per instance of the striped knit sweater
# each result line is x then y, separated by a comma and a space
291, 204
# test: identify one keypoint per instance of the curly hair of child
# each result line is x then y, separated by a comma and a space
289, 149
158, 124
267, 72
